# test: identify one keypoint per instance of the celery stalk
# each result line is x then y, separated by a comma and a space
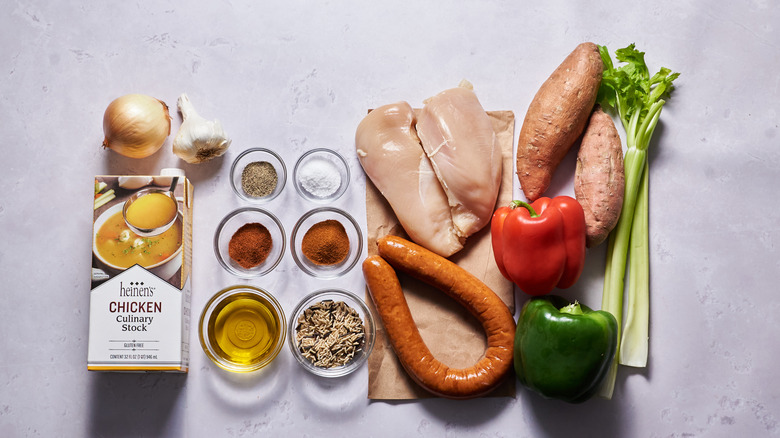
617, 254
634, 342
104, 198
637, 98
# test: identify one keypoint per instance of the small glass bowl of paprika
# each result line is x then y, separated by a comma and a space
326, 242
249, 242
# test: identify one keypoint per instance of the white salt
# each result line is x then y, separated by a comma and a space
319, 177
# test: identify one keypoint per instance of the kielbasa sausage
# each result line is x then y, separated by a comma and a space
469, 291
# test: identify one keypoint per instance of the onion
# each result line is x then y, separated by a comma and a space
136, 125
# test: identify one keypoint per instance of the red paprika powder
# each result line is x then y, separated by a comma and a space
250, 245
326, 243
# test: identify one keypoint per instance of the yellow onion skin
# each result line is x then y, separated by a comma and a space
136, 125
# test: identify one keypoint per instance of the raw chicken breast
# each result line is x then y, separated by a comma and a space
458, 137
392, 157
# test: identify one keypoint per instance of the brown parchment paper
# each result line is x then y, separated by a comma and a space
452, 334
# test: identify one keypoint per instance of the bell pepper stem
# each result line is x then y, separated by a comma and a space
572, 309
517, 203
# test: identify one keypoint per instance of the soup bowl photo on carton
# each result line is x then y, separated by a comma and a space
163, 269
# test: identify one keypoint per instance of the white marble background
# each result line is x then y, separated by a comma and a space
296, 75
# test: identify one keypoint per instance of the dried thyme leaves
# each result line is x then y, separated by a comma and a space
329, 334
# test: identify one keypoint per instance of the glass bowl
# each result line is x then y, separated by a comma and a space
316, 259
231, 224
321, 175
361, 354
242, 328
255, 192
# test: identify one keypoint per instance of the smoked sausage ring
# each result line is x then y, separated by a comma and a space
469, 291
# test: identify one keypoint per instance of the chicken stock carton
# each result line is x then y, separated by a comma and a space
139, 316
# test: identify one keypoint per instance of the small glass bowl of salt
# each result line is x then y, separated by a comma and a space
321, 175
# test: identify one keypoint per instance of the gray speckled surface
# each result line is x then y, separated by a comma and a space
291, 76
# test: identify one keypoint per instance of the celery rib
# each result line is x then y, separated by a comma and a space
617, 254
634, 342
638, 99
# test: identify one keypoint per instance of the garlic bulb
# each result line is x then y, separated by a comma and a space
198, 139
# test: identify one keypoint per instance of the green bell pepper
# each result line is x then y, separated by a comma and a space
563, 350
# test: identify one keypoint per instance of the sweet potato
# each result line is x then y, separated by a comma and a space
556, 118
599, 179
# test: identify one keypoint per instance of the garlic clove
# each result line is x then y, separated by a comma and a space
162, 181
134, 182
165, 178
198, 139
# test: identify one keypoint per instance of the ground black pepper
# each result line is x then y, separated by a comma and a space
259, 179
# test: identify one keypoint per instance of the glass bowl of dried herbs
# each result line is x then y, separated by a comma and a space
331, 332
326, 242
249, 242
258, 175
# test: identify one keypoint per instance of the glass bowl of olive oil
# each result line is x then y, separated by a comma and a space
242, 328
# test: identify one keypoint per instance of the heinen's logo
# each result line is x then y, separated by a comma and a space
135, 289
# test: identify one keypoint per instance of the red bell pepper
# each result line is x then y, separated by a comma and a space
540, 246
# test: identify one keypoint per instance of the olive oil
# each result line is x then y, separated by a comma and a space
244, 329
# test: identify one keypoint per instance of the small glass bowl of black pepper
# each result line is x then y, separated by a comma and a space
326, 242
249, 242
258, 175
331, 311
321, 175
